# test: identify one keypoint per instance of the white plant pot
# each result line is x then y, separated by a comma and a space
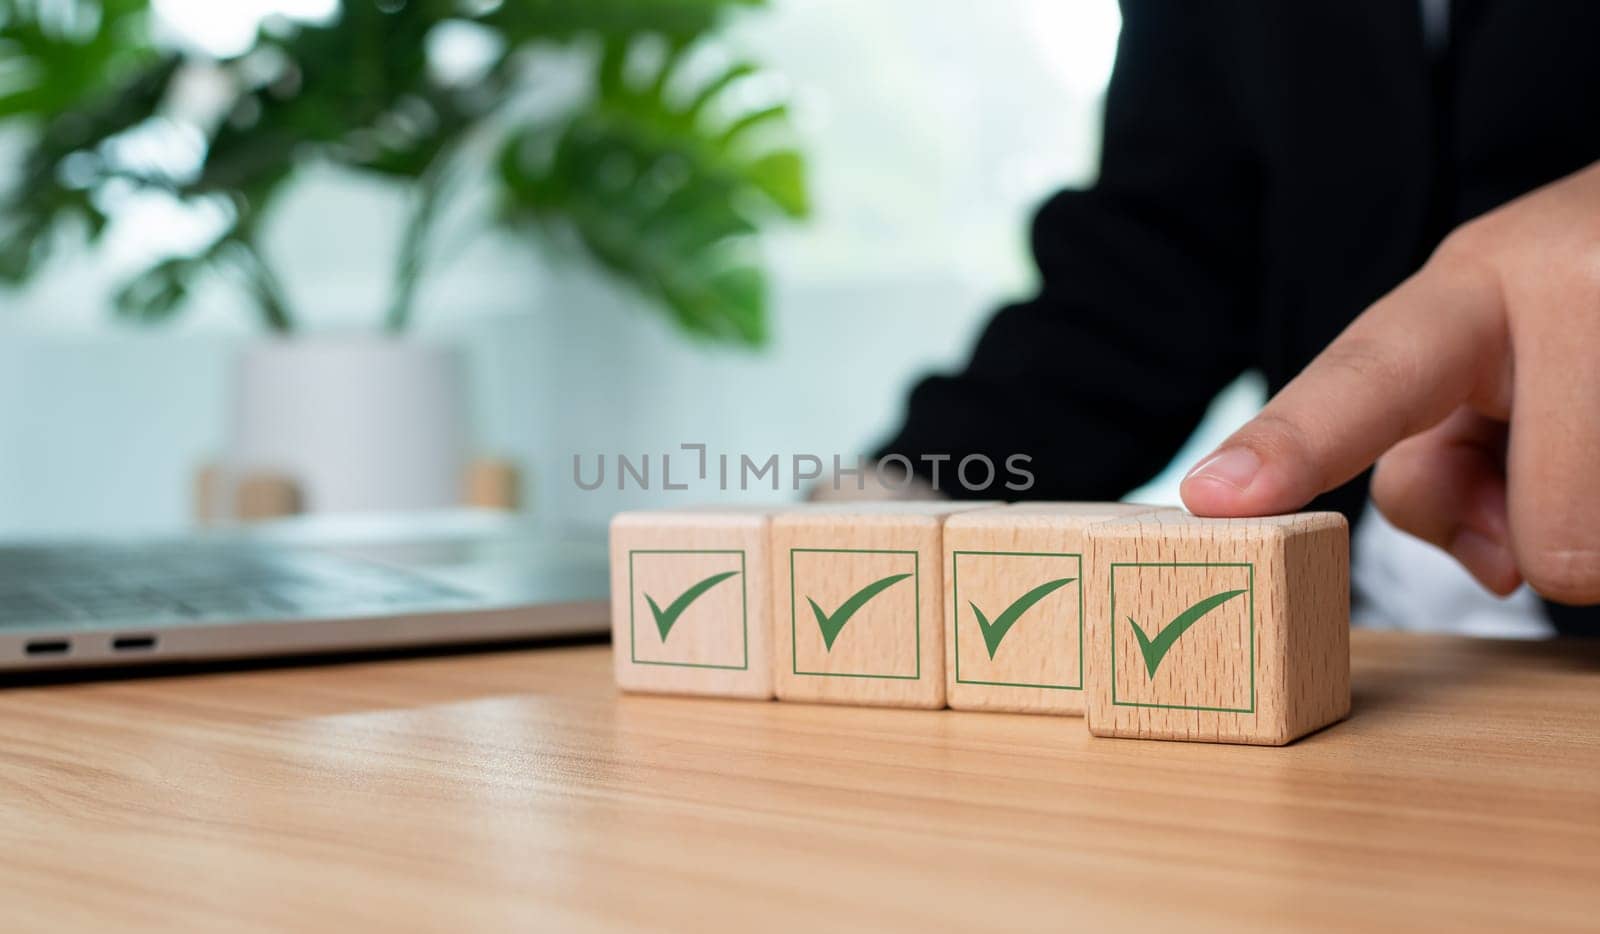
358, 424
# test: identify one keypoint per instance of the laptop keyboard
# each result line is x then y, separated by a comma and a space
171, 584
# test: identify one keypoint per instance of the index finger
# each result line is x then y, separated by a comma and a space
1435, 342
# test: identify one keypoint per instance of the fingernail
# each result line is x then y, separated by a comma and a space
1234, 466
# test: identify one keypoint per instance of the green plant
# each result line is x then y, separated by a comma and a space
653, 166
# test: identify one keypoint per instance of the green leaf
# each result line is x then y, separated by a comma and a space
659, 192
682, 20
781, 177
55, 57
666, 186
65, 162
157, 293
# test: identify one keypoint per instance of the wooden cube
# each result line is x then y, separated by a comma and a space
1218, 630
1014, 601
691, 602
857, 603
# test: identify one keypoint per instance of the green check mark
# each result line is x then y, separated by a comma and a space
1154, 650
667, 617
996, 631
831, 624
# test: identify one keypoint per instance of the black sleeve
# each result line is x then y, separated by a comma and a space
1148, 295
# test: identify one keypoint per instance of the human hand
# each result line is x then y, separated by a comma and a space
1474, 386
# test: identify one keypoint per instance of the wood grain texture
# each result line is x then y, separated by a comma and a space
834, 644
994, 557
1218, 630
720, 643
518, 791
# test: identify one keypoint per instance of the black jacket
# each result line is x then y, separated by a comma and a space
1267, 171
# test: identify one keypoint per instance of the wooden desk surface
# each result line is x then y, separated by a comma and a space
515, 791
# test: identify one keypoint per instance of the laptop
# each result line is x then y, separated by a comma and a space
309, 586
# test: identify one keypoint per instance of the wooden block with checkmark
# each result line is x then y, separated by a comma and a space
690, 602
1014, 601
1217, 630
858, 603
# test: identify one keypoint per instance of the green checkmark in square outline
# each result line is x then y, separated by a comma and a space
744, 608
1251, 587
955, 595
916, 584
